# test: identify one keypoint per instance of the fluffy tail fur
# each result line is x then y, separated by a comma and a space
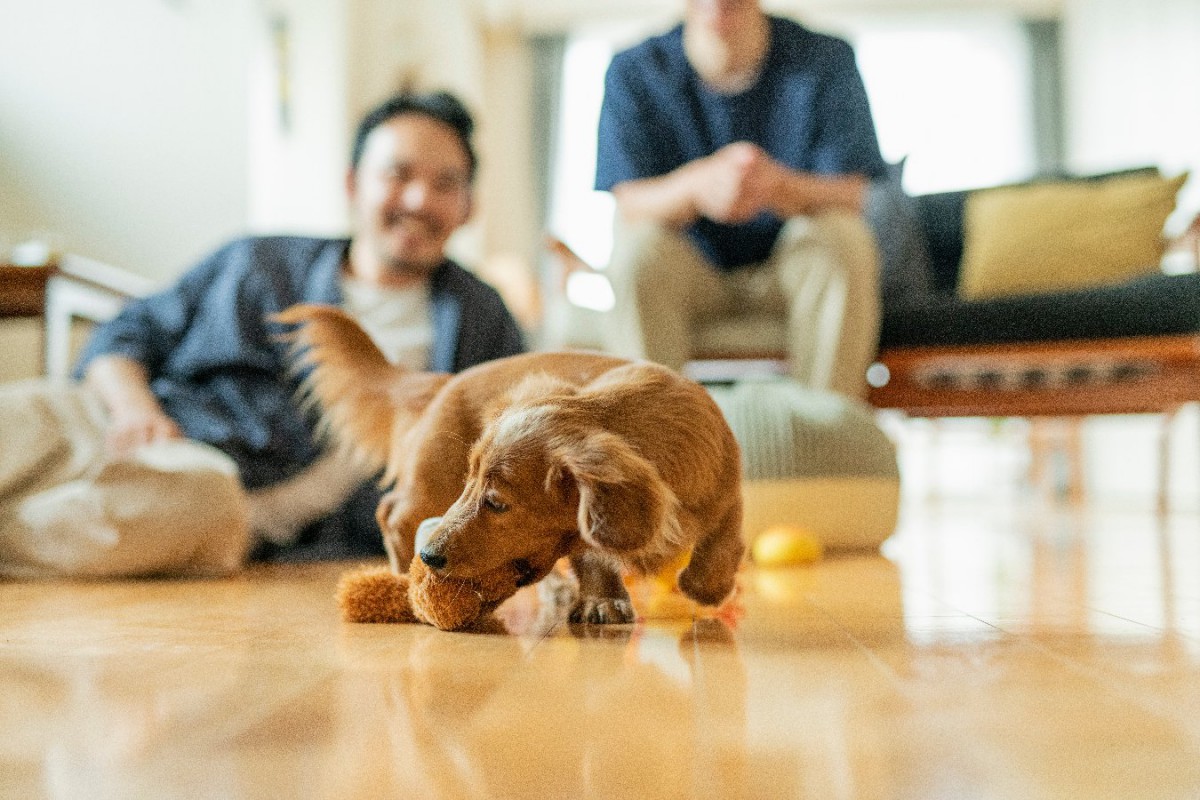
365, 400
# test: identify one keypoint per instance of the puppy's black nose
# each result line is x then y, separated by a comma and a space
433, 560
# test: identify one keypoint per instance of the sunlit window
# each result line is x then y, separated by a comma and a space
954, 96
578, 215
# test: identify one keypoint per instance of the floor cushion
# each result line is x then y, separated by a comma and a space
813, 459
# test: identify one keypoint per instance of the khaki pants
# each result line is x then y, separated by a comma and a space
66, 509
822, 276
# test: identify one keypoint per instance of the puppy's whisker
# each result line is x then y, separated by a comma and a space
453, 435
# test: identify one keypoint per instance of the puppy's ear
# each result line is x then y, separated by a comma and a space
362, 397
623, 501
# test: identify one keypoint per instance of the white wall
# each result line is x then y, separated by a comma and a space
1133, 87
123, 127
507, 216
296, 165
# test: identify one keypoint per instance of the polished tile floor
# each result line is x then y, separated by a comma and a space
999, 647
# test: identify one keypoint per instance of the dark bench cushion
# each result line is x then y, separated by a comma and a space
941, 218
1151, 306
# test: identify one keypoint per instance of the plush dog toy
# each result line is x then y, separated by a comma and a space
376, 594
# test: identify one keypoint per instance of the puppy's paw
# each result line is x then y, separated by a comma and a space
602, 611
558, 593
705, 589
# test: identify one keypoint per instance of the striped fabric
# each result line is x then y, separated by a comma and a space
787, 431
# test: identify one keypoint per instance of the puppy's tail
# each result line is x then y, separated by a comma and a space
365, 400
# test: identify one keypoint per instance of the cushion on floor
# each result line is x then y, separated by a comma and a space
813, 459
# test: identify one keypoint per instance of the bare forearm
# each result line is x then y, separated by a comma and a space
668, 199
805, 193
121, 382
124, 386
135, 415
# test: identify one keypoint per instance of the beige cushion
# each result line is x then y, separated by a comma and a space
813, 459
1064, 235
847, 512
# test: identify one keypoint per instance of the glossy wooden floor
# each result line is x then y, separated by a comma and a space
1003, 650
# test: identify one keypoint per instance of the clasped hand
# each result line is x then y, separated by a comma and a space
737, 183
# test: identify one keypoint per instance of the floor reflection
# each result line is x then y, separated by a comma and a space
602, 711
1002, 655
148, 727
1059, 570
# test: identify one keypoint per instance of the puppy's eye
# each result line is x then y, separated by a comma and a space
493, 504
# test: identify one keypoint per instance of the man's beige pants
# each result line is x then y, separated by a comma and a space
822, 276
172, 508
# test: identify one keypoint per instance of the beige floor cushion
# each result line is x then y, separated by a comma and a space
812, 459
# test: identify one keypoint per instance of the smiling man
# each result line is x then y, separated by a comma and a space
198, 369
409, 185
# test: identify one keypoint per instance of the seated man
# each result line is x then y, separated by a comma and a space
122, 474
738, 147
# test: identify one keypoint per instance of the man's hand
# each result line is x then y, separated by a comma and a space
736, 183
134, 427
740, 181
733, 185
135, 417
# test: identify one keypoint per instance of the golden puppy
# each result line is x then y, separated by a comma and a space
615, 464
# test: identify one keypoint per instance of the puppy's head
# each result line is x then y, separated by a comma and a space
542, 484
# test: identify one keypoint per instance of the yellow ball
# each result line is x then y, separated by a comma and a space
786, 546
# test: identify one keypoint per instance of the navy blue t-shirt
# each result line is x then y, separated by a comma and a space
808, 110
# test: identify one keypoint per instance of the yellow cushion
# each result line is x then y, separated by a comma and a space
1064, 235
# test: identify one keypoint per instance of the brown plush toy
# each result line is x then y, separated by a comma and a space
376, 594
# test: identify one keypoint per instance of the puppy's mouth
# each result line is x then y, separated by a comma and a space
526, 572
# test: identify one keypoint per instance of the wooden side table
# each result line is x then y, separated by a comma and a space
81, 288
71, 288
23, 290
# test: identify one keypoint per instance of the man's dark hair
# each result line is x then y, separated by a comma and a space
440, 106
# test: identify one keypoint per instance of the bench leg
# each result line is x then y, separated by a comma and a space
1076, 479
1163, 489
1056, 463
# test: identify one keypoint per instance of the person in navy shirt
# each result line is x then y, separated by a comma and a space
195, 380
739, 147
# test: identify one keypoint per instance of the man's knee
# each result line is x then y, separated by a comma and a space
50, 432
834, 245
849, 238
175, 508
647, 256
